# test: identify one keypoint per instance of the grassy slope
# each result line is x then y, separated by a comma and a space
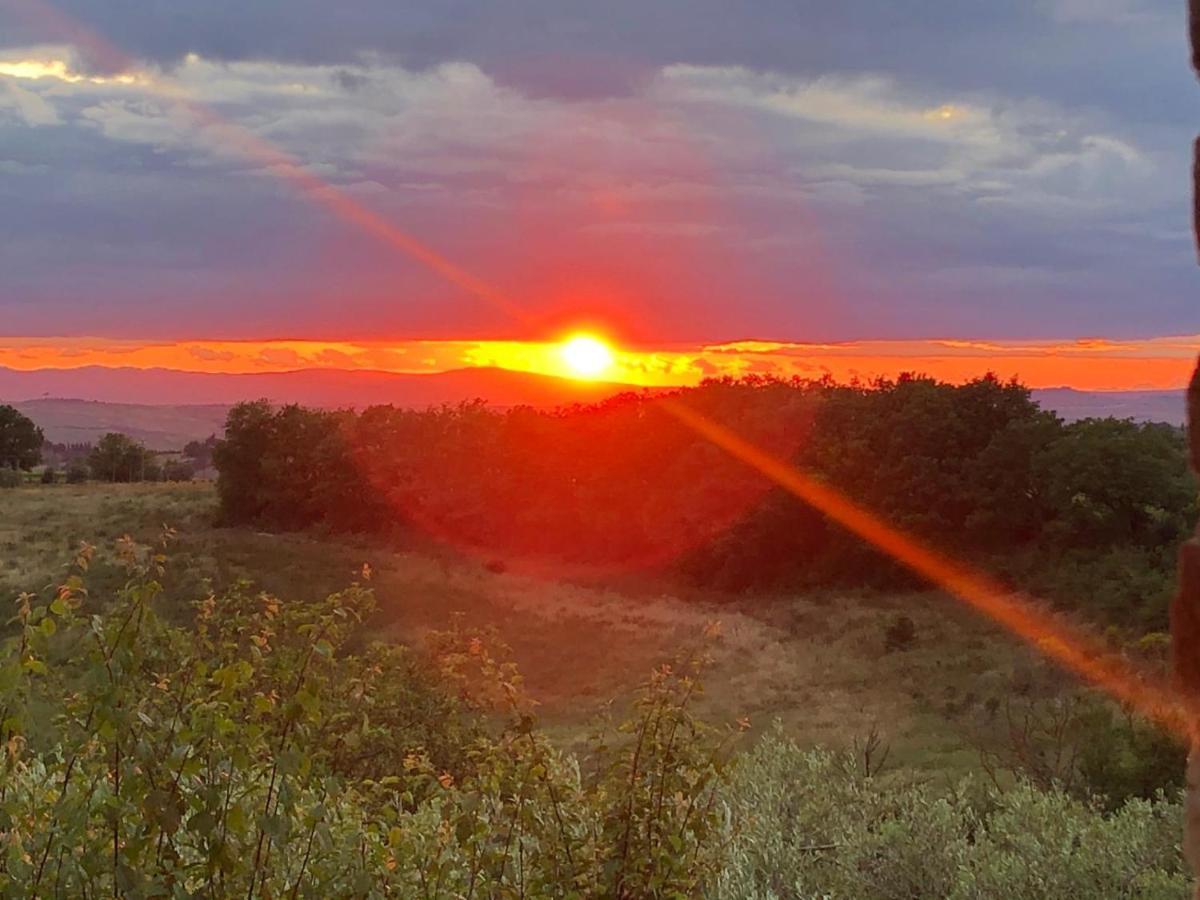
816, 662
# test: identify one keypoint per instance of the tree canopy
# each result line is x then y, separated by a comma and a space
20, 440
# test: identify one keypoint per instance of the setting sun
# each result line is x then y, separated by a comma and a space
586, 356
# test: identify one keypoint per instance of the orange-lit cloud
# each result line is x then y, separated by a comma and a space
1088, 364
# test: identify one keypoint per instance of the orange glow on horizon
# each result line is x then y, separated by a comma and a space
1152, 364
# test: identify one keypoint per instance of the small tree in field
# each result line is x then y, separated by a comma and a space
118, 457
20, 440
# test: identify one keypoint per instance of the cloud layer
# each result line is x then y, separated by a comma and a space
683, 176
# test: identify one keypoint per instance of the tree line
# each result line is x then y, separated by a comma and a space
1090, 513
114, 458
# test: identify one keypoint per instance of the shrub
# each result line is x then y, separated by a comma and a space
11, 478
49, 476
811, 825
253, 753
77, 473
174, 470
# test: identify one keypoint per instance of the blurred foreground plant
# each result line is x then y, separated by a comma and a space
252, 753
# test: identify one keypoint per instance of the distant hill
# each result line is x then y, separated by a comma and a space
145, 403
316, 387
159, 427
82, 404
1143, 406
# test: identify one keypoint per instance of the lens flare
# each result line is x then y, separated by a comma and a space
1149, 694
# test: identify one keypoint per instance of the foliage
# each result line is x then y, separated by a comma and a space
200, 453
49, 475
813, 825
77, 473
1082, 745
258, 751
175, 470
11, 478
1091, 513
20, 440
119, 458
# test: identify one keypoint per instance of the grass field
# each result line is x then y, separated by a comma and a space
818, 662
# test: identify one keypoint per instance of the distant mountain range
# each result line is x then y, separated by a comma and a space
315, 387
80, 405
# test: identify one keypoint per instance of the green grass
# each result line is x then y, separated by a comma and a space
816, 662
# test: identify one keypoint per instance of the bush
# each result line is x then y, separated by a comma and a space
174, 470
77, 473
49, 476
253, 753
811, 825
11, 478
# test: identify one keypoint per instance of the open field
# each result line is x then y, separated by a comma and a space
818, 663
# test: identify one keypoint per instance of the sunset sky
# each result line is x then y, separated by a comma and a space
780, 187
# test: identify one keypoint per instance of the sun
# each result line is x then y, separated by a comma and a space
586, 356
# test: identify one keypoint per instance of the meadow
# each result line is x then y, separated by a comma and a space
246, 713
817, 662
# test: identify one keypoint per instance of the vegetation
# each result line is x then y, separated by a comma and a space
118, 458
814, 824
257, 751
265, 747
1090, 514
20, 440
236, 722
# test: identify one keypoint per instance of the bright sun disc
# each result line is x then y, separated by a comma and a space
586, 356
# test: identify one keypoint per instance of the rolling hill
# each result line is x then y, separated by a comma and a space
80, 405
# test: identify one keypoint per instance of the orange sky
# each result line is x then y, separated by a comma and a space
1089, 364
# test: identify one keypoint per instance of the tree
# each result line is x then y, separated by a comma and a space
20, 440
201, 452
118, 457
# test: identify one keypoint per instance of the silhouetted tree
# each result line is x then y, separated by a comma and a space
20, 440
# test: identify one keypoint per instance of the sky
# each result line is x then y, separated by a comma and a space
887, 179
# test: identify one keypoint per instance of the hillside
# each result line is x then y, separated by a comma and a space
1141, 406
817, 663
159, 427
140, 402
312, 387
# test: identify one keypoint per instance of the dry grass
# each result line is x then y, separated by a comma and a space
817, 662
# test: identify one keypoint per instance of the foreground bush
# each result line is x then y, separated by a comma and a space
257, 753
812, 825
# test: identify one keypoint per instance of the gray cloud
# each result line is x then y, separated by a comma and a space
809, 171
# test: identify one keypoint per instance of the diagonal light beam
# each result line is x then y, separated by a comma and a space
277, 161
1151, 695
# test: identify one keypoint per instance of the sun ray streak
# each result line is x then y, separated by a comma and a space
104, 53
1150, 695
